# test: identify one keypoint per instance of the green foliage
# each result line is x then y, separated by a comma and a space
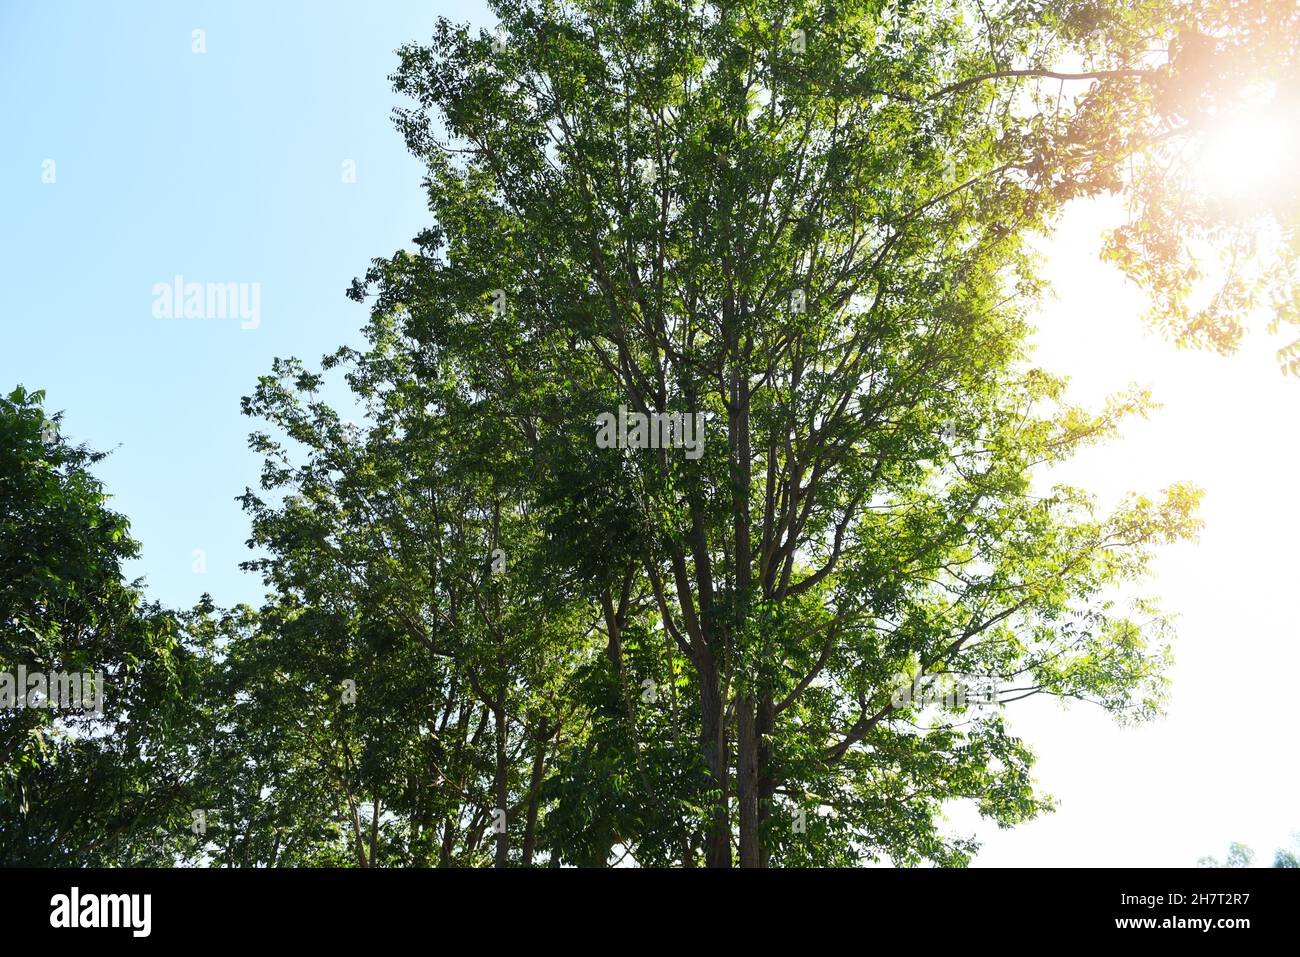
78, 786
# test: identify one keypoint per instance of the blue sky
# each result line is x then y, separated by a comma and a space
226, 166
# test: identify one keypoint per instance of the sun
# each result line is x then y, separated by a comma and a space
1248, 156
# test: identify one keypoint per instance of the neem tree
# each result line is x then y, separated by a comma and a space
807, 223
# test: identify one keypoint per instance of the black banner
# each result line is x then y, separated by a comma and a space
946, 908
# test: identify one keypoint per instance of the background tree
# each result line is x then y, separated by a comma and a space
1239, 855
407, 557
77, 787
1287, 857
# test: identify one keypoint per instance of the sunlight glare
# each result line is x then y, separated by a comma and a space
1246, 157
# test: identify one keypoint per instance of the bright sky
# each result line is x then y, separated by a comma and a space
1221, 766
227, 166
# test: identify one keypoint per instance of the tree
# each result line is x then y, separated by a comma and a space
407, 564
804, 226
1239, 855
85, 781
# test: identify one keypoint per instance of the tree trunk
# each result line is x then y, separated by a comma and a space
741, 480
747, 780
714, 744
534, 795
766, 783
502, 789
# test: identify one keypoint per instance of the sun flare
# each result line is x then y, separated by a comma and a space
1245, 157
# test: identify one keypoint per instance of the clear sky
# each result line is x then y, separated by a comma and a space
227, 167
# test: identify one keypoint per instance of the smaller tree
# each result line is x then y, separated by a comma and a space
1239, 855
405, 556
